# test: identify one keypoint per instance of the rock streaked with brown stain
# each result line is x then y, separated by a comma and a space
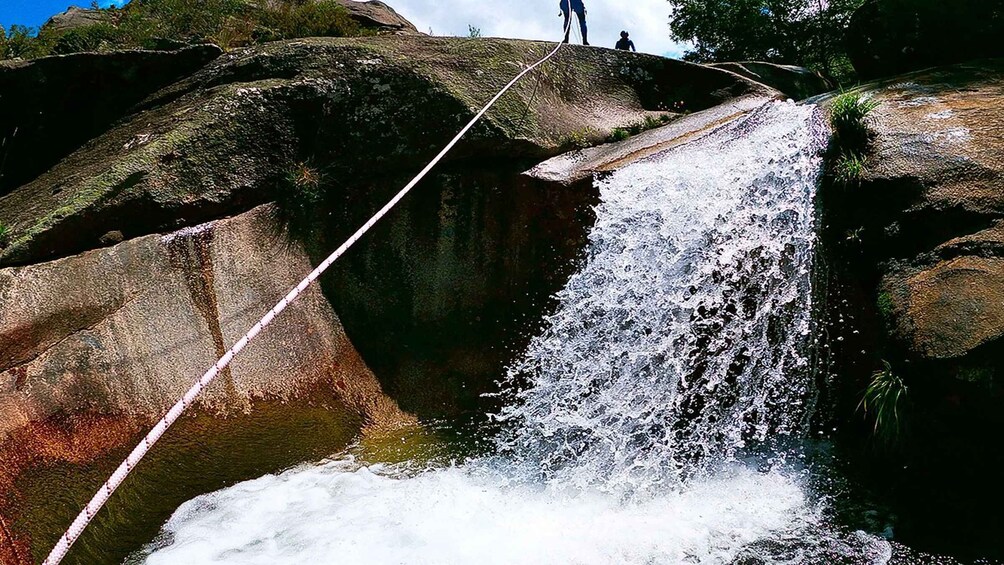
933, 190
956, 306
110, 339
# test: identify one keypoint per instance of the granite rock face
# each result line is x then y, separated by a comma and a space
101, 344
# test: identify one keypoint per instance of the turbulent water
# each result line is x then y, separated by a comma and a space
678, 353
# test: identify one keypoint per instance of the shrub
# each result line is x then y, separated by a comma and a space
153, 23
87, 38
619, 134
579, 139
473, 31
884, 401
289, 19
15, 42
650, 122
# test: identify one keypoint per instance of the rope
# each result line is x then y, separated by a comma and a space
126, 467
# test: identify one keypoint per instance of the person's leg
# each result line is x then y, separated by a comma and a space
582, 26
568, 28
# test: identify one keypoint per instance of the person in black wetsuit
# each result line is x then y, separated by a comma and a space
580, 10
625, 44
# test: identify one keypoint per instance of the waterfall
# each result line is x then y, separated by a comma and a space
684, 338
680, 347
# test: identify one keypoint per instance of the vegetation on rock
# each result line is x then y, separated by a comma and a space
650, 122
158, 24
884, 403
298, 197
851, 137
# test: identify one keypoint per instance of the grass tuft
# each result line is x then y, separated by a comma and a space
848, 116
4, 235
299, 196
884, 401
851, 138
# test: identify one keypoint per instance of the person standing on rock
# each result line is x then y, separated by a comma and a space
625, 43
580, 10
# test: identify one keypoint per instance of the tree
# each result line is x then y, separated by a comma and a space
800, 32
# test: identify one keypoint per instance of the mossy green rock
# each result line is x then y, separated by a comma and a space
220, 141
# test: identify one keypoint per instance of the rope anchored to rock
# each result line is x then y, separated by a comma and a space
78, 526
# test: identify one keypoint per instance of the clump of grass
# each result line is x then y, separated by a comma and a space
851, 137
4, 235
299, 196
848, 169
884, 401
579, 139
848, 116
650, 122
473, 31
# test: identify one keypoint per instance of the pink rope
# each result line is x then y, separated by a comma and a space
126, 467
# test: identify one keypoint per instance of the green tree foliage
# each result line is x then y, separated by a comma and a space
153, 24
16, 42
799, 32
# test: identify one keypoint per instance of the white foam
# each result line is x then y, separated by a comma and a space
340, 513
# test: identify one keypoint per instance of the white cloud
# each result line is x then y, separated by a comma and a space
646, 20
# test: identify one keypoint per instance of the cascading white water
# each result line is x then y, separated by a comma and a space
679, 346
683, 339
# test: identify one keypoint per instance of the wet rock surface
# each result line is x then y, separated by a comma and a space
798, 83
930, 205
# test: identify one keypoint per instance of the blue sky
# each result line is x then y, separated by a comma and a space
33, 13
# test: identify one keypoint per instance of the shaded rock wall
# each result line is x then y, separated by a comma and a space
916, 258
51, 107
446, 291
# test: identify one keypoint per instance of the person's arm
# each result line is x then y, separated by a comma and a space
632, 47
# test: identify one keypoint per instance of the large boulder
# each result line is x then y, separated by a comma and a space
222, 140
75, 17
931, 202
375, 15
50, 107
888, 37
95, 348
916, 249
